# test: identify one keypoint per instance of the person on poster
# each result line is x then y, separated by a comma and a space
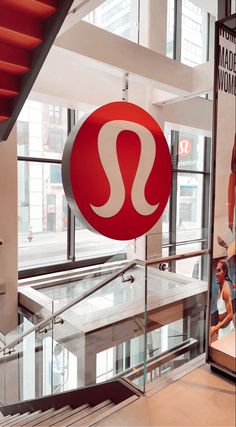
231, 248
231, 189
225, 324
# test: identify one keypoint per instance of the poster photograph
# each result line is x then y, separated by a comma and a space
223, 283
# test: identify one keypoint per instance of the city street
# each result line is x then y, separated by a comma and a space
53, 246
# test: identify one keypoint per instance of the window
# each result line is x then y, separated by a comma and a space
188, 191
42, 206
186, 215
51, 212
187, 32
55, 174
55, 142
194, 34
23, 197
117, 16
170, 28
23, 137
54, 112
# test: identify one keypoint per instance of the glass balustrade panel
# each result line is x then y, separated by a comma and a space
82, 281
112, 329
176, 315
29, 319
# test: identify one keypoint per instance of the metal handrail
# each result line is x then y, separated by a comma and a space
69, 305
179, 257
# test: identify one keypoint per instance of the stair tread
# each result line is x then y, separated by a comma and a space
3, 424
20, 29
89, 418
13, 59
5, 418
42, 8
34, 416
20, 420
63, 417
43, 420
76, 417
110, 410
9, 85
14, 422
40, 417
5, 108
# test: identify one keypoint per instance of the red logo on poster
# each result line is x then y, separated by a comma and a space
184, 147
116, 170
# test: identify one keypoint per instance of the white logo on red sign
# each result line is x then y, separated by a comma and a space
184, 147
116, 170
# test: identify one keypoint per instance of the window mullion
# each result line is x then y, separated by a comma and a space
173, 198
70, 215
205, 203
177, 30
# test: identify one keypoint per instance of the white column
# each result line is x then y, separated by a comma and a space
153, 25
8, 233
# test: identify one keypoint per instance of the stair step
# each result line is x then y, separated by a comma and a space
43, 421
15, 421
75, 417
61, 420
41, 8
20, 29
111, 410
5, 109
14, 59
94, 413
20, 420
13, 417
9, 85
4, 418
35, 417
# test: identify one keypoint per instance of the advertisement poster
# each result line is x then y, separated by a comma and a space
223, 284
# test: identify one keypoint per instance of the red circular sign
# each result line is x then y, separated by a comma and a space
116, 170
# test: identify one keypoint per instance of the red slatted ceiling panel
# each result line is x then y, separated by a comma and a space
21, 31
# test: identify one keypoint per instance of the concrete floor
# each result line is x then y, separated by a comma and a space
200, 398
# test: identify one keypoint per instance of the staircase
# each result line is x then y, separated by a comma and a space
80, 407
27, 31
84, 415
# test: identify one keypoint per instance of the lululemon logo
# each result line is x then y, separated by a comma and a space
116, 171
184, 147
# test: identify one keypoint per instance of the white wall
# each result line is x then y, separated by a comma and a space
8, 232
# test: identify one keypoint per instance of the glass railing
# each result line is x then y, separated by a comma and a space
74, 284
137, 321
26, 322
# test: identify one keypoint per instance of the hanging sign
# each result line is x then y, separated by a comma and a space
116, 171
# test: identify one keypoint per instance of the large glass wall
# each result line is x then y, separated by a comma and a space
48, 234
170, 28
194, 34
185, 220
120, 17
188, 28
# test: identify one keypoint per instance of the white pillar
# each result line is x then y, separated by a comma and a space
8, 233
153, 25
